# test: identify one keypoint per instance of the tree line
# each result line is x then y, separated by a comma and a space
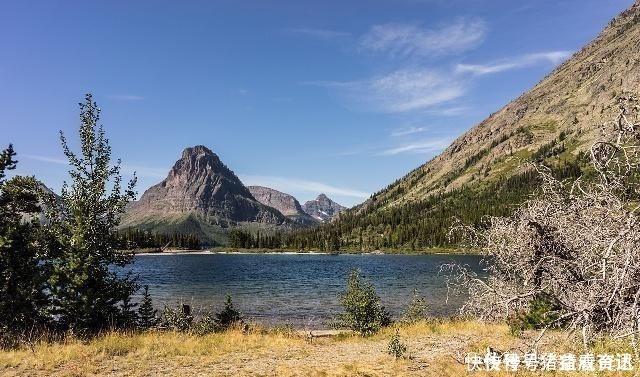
133, 238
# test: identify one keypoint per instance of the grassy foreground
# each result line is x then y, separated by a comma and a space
434, 348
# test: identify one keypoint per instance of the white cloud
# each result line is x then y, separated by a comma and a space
400, 91
125, 97
141, 171
286, 184
553, 57
420, 147
408, 131
320, 33
402, 39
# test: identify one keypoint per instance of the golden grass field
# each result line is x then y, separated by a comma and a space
435, 348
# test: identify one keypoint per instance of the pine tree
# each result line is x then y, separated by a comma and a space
147, 315
228, 316
22, 297
87, 293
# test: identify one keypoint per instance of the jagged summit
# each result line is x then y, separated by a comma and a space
322, 208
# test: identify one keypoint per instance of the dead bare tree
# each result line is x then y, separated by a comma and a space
576, 244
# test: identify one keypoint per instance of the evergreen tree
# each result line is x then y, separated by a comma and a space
87, 293
147, 315
22, 297
228, 316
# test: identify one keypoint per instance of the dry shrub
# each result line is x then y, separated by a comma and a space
569, 257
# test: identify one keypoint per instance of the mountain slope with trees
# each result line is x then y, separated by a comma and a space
485, 171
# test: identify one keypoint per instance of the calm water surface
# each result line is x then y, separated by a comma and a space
296, 289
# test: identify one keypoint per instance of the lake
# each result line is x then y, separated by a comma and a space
297, 289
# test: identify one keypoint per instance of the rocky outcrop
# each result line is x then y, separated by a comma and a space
322, 208
284, 203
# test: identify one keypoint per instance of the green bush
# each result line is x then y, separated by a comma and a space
396, 347
363, 311
228, 317
176, 318
416, 309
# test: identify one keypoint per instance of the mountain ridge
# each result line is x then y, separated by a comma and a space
283, 202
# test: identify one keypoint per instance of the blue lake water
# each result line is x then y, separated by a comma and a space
299, 289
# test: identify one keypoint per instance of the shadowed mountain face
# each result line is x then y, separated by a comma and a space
199, 194
322, 208
285, 203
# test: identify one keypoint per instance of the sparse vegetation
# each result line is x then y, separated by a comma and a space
438, 351
396, 347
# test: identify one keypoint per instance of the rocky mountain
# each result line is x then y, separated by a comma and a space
322, 208
484, 171
200, 195
284, 203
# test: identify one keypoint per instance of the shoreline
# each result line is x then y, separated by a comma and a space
290, 252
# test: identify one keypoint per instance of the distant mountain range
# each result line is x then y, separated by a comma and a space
202, 196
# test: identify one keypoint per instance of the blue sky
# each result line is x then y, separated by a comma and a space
305, 97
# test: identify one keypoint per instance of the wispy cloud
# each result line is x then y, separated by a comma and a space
286, 184
125, 97
400, 91
141, 171
406, 39
553, 57
319, 33
408, 131
419, 147
53, 160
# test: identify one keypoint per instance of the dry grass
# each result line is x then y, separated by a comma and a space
435, 349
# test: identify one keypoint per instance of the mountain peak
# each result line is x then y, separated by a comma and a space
199, 162
200, 185
196, 150
322, 208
